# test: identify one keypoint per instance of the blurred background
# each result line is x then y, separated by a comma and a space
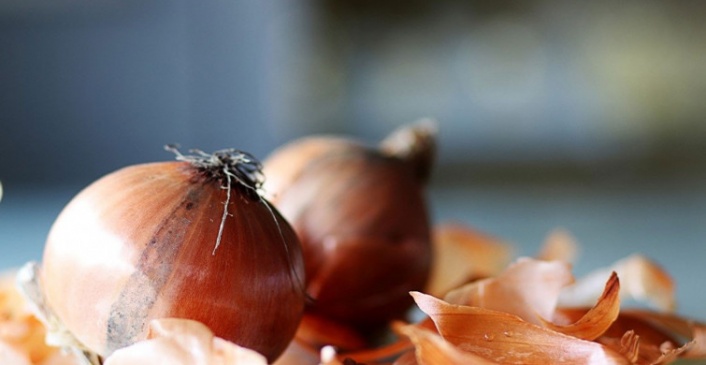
583, 115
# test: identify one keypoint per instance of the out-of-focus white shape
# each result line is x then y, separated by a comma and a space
641, 279
560, 245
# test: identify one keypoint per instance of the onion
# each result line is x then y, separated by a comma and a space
189, 239
361, 216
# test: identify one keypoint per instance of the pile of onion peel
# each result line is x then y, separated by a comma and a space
517, 316
22, 334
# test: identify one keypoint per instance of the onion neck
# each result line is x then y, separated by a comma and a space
414, 144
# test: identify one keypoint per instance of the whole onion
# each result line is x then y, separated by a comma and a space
189, 239
361, 216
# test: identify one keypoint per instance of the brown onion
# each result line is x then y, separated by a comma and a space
189, 239
361, 215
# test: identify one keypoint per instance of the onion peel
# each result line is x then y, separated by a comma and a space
641, 279
462, 254
22, 334
639, 339
509, 339
692, 332
183, 341
559, 245
379, 354
599, 318
528, 288
431, 349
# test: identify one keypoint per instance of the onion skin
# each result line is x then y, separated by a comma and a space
139, 244
361, 216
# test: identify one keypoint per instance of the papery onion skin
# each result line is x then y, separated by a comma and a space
140, 244
361, 215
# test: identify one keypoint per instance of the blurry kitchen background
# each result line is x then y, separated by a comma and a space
587, 116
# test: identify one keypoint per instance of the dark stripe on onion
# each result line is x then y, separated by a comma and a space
153, 270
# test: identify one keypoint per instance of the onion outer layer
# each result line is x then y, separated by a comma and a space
139, 244
361, 215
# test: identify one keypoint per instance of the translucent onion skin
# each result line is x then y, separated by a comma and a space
140, 244
361, 215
